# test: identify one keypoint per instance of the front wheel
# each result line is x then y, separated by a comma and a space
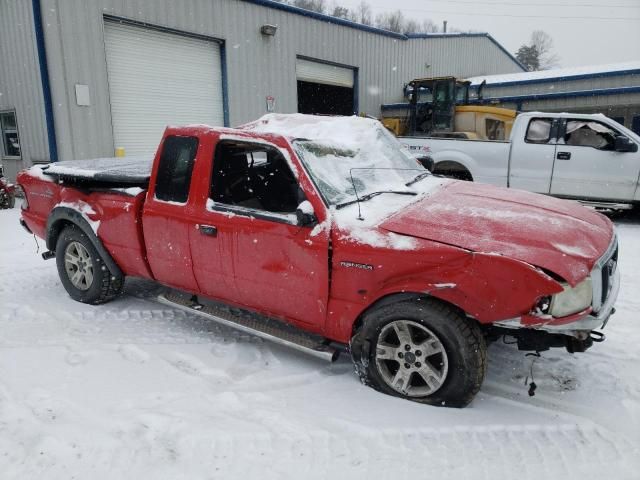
422, 350
82, 270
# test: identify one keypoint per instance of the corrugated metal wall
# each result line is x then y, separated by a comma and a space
625, 105
559, 86
20, 85
257, 66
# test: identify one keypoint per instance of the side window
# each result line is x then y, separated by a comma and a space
175, 168
581, 133
539, 130
9, 129
253, 176
494, 129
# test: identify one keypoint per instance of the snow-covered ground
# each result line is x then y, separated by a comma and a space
134, 389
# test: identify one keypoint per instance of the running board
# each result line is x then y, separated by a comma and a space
258, 325
606, 205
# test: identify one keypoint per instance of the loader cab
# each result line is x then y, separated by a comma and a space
432, 104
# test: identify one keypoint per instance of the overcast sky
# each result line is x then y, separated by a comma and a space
585, 32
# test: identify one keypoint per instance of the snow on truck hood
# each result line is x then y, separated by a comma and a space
558, 235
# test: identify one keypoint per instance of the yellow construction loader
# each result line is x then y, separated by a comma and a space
440, 107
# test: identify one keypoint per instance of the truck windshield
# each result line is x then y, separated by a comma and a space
383, 165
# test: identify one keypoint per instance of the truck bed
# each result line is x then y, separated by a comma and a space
103, 172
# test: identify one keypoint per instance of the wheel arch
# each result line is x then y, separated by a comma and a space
62, 217
445, 167
397, 297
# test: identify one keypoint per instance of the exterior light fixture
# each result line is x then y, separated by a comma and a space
268, 29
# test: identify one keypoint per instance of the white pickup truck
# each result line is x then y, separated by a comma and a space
590, 158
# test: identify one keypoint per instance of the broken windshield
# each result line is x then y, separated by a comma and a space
343, 173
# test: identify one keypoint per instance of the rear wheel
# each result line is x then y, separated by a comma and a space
422, 350
82, 270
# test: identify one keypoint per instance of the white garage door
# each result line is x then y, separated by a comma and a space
158, 79
317, 72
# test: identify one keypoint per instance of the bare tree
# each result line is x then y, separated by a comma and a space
313, 5
343, 12
363, 14
412, 26
392, 21
543, 43
429, 26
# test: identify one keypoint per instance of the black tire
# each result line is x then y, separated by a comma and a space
460, 337
104, 286
11, 201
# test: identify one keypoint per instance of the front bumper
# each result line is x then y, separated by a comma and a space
606, 286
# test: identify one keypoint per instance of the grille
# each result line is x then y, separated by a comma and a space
608, 269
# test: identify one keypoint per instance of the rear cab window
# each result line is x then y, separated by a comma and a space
539, 130
175, 169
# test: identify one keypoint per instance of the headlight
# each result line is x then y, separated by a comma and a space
19, 192
572, 300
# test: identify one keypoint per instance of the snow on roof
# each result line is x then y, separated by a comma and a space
559, 73
350, 132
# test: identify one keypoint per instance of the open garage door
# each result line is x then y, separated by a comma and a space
158, 79
324, 88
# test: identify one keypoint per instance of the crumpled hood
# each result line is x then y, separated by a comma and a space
558, 235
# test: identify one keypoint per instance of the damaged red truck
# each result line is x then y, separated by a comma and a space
323, 233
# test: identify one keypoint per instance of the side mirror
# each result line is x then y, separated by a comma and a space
426, 161
625, 144
305, 215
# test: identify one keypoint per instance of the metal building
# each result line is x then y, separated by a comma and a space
610, 89
79, 79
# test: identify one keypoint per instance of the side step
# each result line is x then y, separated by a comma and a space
606, 206
258, 325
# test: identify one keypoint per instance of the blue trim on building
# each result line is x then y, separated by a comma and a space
325, 18
44, 78
518, 99
326, 62
225, 84
378, 31
548, 96
356, 91
581, 76
159, 28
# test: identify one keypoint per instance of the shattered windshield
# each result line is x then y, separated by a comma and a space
340, 172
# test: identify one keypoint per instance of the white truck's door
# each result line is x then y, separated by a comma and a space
533, 149
588, 166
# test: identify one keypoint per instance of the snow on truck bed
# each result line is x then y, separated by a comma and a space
124, 171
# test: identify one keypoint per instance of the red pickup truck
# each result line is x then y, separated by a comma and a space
324, 233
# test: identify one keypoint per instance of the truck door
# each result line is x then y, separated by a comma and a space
531, 157
588, 166
278, 267
166, 229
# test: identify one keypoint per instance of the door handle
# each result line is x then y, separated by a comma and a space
209, 230
564, 156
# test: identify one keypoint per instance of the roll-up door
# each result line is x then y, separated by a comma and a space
325, 89
157, 79
323, 73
